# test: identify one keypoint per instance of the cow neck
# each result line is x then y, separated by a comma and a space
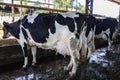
15, 29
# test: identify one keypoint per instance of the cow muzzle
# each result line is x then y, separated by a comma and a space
4, 37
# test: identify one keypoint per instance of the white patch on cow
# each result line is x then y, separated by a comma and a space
70, 14
62, 48
54, 42
49, 31
33, 50
25, 62
22, 38
102, 34
115, 33
31, 18
75, 25
90, 35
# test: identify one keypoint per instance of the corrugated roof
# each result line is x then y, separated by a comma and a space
116, 1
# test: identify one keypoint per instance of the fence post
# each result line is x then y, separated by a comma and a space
13, 11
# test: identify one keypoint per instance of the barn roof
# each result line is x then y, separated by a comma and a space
115, 1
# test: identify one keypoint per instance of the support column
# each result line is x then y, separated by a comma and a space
119, 15
21, 7
89, 7
13, 11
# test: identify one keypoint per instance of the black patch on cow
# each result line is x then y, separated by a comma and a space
50, 22
70, 23
77, 35
14, 29
87, 53
25, 50
24, 33
79, 21
90, 23
52, 27
104, 24
39, 28
60, 19
26, 25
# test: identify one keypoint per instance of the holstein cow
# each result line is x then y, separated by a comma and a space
107, 29
63, 32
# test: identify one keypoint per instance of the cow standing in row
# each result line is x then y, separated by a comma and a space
107, 29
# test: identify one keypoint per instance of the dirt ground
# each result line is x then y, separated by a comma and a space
101, 66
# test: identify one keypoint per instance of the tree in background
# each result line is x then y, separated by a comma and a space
22, 10
61, 4
69, 4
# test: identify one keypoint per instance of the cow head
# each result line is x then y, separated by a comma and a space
6, 32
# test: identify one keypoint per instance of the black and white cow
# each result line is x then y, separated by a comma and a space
107, 29
63, 32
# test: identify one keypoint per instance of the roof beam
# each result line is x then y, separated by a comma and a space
115, 1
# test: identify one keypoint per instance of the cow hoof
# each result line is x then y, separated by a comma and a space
108, 51
67, 69
71, 74
71, 77
34, 66
24, 67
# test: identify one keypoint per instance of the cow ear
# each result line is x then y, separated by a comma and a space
5, 23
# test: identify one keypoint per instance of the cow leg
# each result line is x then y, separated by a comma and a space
88, 53
93, 43
74, 62
84, 52
74, 53
34, 50
93, 40
109, 44
79, 45
25, 53
69, 65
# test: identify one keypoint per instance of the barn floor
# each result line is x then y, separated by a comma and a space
101, 66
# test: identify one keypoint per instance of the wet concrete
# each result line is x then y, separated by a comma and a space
101, 66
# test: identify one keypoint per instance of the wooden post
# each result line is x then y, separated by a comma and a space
21, 8
76, 5
119, 15
48, 3
12, 11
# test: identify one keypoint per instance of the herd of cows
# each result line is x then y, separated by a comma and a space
69, 33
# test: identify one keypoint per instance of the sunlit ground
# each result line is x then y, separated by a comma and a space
1, 33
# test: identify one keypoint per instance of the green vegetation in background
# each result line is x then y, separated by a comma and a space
65, 4
58, 4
